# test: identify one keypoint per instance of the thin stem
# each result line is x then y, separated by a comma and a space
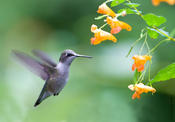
141, 77
100, 17
138, 12
103, 26
148, 48
149, 72
143, 44
157, 45
169, 37
163, 33
133, 45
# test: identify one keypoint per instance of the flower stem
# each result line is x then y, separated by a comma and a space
103, 26
141, 77
148, 48
149, 72
169, 37
133, 45
157, 45
143, 44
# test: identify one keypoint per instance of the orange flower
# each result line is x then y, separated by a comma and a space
157, 2
139, 62
100, 35
104, 9
117, 26
139, 89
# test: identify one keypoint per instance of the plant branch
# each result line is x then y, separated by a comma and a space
163, 33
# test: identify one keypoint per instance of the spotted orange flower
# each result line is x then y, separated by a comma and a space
157, 2
139, 62
139, 89
100, 35
117, 26
104, 9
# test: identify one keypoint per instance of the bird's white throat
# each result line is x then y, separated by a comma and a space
62, 67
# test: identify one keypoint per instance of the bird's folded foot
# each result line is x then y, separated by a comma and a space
55, 94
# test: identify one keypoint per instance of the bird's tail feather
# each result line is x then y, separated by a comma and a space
43, 95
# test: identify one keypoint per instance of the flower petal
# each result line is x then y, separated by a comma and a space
93, 28
100, 35
104, 9
140, 61
139, 89
133, 67
157, 2
116, 30
117, 26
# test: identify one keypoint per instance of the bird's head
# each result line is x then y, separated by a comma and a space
69, 55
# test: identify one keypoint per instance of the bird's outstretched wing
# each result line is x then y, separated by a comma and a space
42, 70
44, 57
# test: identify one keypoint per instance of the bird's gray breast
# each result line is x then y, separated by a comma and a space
58, 80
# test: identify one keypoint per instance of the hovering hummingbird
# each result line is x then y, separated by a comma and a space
55, 75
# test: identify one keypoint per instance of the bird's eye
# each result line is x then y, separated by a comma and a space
69, 54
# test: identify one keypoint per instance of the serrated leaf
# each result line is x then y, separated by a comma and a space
117, 2
154, 20
128, 11
165, 74
152, 33
100, 17
132, 4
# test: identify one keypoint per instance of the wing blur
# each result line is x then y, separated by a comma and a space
32, 64
44, 57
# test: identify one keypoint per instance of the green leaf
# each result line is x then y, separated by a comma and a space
131, 5
154, 20
152, 33
165, 74
116, 2
100, 17
128, 11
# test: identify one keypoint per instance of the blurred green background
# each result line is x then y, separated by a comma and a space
97, 88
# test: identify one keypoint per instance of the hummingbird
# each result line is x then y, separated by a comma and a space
54, 74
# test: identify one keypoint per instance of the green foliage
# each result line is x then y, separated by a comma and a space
165, 74
131, 5
117, 2
128, 11
152, 33
154, 20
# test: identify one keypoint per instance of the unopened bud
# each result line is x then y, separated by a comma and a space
124, 13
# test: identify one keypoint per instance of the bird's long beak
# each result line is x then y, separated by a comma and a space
84, 56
